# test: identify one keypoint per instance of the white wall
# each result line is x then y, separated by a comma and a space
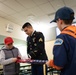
17, 33
49, 33
49, 48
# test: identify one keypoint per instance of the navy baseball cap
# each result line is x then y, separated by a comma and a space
64, 13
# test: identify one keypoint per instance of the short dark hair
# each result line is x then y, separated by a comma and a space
68, 21
27, 24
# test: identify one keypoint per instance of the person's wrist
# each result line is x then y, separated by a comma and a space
14, 59
29, 56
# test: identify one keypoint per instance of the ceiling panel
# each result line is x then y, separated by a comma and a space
57, 4
47, 8
20, 11
2, 0
39, 2
27, 3
17, 15
74, 8
6, 9
36, 11
14, 5
3, 14
44, 18
15, 20
25, 13
70, 3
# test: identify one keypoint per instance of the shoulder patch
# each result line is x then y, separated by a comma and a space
58, 41
40, 40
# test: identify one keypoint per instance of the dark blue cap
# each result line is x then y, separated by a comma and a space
64, 13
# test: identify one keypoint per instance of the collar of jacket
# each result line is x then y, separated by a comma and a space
70, 30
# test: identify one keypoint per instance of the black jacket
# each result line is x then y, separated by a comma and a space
36, 46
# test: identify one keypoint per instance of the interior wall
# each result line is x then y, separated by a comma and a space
16, 33
50, 34
49, 48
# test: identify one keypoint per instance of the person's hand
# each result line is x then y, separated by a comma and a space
28, 59
18, 57
29, 56
47, 63
14, 59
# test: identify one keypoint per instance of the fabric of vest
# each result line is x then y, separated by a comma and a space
34, 44
12, 68
70, 68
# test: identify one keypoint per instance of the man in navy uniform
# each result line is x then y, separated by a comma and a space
35, 47
64, 50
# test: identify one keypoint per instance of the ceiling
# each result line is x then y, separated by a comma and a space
35, 11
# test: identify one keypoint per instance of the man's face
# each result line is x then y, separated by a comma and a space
9, 46
28, 30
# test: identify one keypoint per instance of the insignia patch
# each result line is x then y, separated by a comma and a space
58, 41
40, 40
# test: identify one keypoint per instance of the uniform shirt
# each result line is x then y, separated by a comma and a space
64, 52
36, 46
